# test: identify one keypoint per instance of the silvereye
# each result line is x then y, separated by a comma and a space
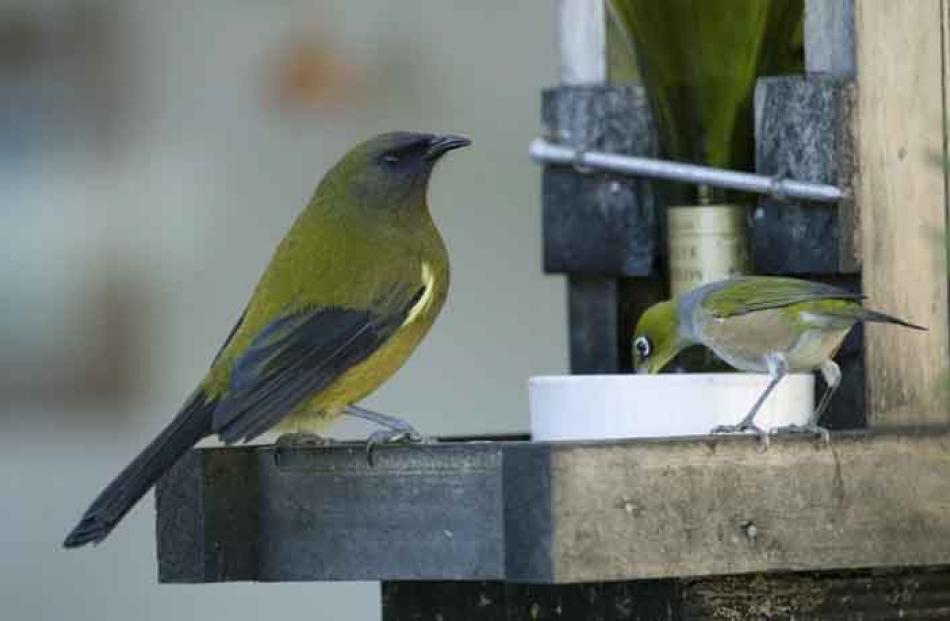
758, 324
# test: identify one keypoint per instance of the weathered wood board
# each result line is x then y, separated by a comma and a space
688, 508
598, 223
901, 190
857, 595
804, 131
593, 304
325, 514
555, 513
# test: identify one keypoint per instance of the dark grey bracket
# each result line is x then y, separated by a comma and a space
208, 524
596, 222
599, 227
274, 514
594, 340
803, 131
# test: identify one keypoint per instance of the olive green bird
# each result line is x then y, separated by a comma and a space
757, 324
350, 291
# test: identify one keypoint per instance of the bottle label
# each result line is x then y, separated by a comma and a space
706, 243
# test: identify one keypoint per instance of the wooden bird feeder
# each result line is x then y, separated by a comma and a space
686, 528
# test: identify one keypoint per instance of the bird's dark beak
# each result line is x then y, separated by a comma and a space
439, 145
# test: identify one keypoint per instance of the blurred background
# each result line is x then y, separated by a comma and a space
151, 155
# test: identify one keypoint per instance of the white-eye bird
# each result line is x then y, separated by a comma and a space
758, 324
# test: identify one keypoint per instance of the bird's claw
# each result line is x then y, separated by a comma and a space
812, 428
394, 436
761, 435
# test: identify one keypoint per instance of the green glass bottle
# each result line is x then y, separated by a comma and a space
699, 60
622, 67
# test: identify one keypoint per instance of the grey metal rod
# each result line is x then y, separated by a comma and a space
543, 151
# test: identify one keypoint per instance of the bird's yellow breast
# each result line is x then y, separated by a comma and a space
364, 378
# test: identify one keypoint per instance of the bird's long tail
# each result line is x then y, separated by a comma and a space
191, 424
870, 315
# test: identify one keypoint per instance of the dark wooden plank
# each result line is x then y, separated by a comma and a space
528, 526
443, 601
647, 600
596, 222
593, 308
846, 596
558, 512
422, 512
857, 595
644, 600
207, 522
803, 131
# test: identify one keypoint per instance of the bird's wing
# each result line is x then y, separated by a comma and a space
745, 295
297, 355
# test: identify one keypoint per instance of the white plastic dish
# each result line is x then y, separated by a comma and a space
589, 407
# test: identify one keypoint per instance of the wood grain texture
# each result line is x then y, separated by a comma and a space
901, 192
596, 222
859, 595
804, 131
838, 596
558, 513
592, 307
690, 508
275, 513
504, 601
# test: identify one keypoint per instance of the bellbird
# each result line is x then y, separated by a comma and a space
350, 291
758, 324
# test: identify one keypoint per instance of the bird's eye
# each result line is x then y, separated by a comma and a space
390, 160
642, 345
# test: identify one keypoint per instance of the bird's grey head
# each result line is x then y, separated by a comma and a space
391, 171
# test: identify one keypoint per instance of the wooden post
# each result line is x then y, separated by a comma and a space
582, 46
902, 193
592, 307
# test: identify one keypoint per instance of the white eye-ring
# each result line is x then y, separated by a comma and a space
642, 345
391, 159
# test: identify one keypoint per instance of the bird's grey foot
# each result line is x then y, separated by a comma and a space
811, 428
396, 430
302, 439
744, 427
407, 435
